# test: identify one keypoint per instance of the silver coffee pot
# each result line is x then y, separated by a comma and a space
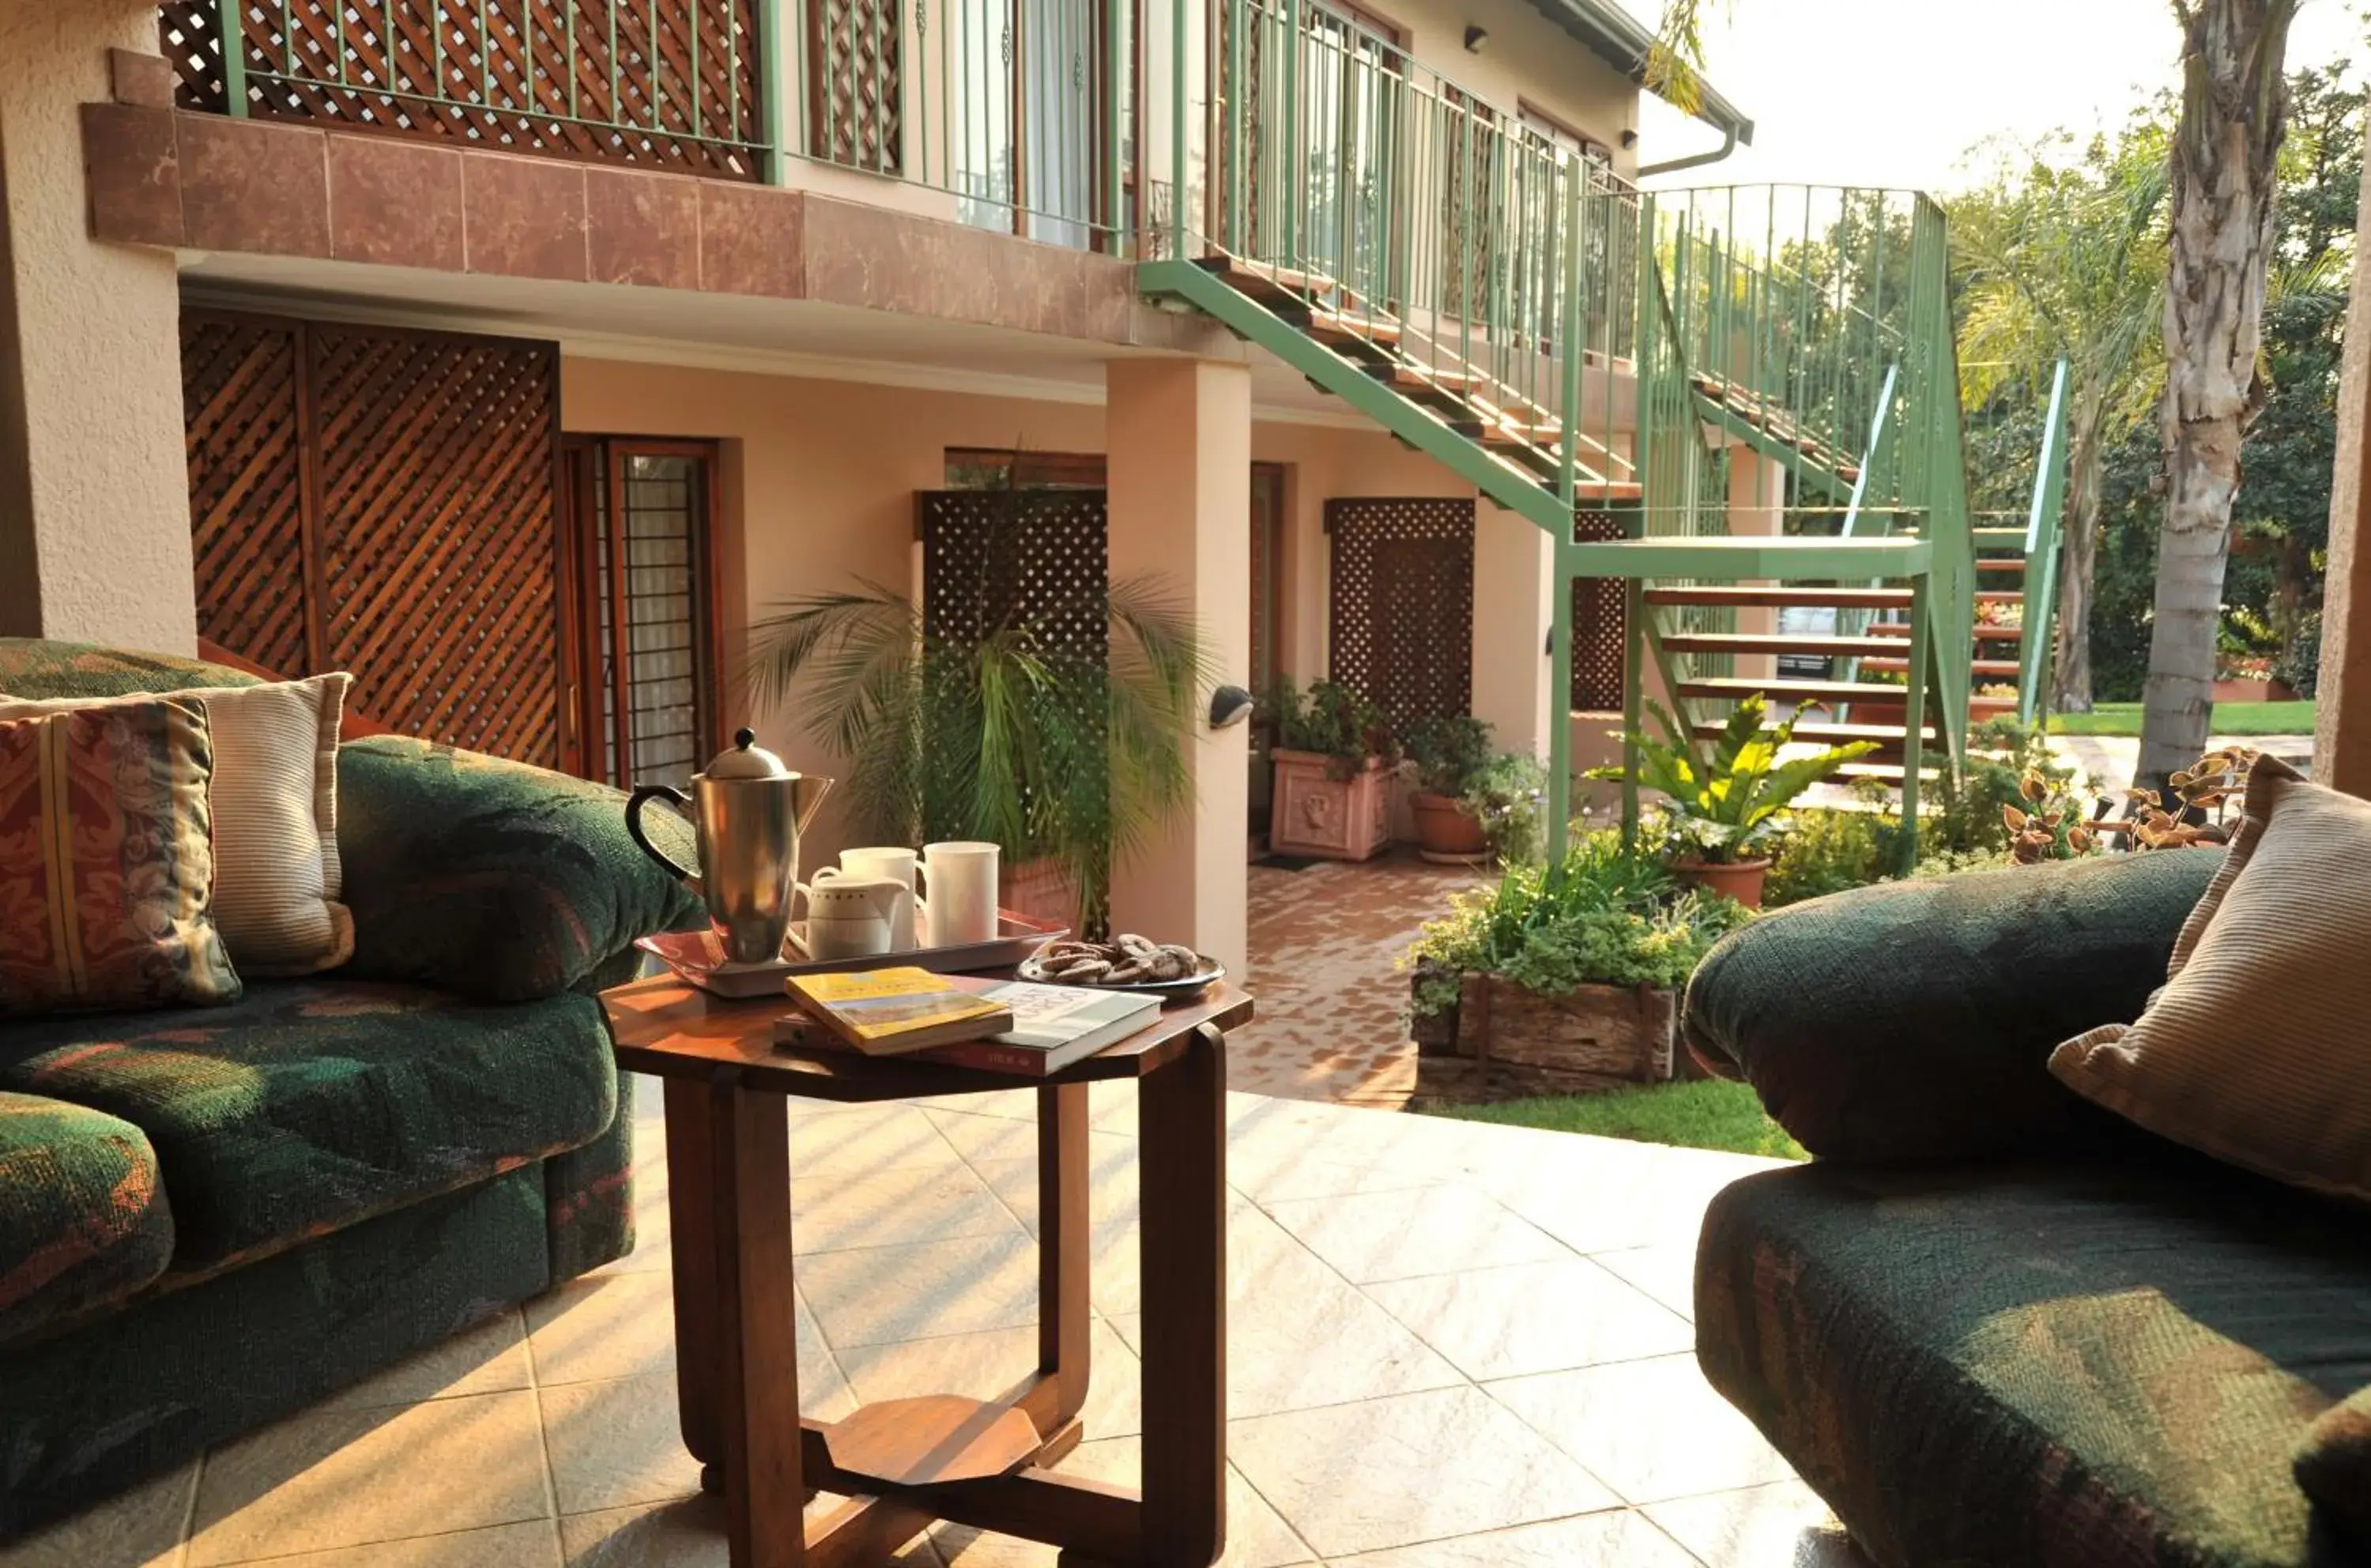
747, 812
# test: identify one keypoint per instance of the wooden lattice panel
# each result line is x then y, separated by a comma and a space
189, 34
438, 543
1600, 630
674, 83
855, 110
1402, 617
240, 406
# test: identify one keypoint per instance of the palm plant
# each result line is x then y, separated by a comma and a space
1004, 720
1723, 808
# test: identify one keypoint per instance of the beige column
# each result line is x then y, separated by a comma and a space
1757, 506
1514, 607
1178, 439
94, 491
2341, 740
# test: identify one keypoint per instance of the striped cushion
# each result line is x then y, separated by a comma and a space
277, 880
107, 861
2258, 1050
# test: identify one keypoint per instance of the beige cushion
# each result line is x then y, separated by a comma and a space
275, 796
2258, 1050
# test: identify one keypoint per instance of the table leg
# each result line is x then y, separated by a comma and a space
1182, 1149
691, 1186
1063, 1252
754, 1397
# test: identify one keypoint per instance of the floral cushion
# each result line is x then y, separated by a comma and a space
107, 860
2100, 1360
312, 1104
493, 879
37, 667
1914, 1021
83, 1218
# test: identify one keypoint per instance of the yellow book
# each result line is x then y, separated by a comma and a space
885, 1012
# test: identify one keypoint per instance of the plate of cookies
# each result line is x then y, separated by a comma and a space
1127, 962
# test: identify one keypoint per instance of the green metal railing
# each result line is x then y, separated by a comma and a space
2043, 548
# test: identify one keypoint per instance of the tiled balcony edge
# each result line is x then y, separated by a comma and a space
163, 177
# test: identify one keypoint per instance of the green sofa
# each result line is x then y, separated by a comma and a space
212, 1216
1990, 1325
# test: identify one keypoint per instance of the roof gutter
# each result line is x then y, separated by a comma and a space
1693, 160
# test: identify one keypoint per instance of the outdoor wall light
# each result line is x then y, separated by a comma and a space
1230, 706
1629, 138
1476, 40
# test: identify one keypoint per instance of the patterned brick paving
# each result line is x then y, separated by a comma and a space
1333, 1009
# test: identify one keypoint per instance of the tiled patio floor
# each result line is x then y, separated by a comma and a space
1331, 1023
1453, 1346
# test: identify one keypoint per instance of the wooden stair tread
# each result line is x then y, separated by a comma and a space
1776, 643
1412, 376
1322, 323
1781, 598
1837, 734
1269, 279
1730, 689
1982, 633
2000, 597
1884, 664
2000, 564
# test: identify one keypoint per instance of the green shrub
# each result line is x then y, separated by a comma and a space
1447, 752
2298, 666
1332, 720
1830, 851
1601, 916
1504, 798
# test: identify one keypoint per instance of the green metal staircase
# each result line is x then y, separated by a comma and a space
1570, 345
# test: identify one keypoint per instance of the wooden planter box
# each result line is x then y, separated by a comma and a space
1334, 819
2254, 691
1507, 1041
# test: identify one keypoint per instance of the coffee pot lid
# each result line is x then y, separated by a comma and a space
744, 759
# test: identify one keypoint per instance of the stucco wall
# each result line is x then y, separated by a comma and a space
820, 478
94, 501
1527, 59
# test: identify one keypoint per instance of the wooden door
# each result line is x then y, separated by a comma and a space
641, 524
1402, 617
383, 501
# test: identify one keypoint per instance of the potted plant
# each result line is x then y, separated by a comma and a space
1568, 971
1010, 727
1506, 798
1719, 813
1445, 754
1331, 753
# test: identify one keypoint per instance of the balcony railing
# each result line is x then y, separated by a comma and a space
679, 83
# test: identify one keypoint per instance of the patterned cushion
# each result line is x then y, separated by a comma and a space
2333, 1464
2257, 1050
1915, 1020
82, 1217
107, 860
2087, 1362
311, 1104
32, 666
493, 879
275, 798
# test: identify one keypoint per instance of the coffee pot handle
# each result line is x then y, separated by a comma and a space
643, 794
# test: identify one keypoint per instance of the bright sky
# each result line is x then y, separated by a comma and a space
1894, 92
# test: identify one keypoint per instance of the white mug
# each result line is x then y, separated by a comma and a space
961, 879
882, 865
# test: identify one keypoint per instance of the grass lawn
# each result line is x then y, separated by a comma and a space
2230, 719
1710, 1115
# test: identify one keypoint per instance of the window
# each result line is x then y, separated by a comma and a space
978, 467
641, 528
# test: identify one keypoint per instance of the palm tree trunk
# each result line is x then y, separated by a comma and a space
2071, 660
2233, 113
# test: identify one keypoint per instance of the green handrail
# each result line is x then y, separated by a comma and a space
2039, 612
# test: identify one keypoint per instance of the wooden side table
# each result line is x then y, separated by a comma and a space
905, 1463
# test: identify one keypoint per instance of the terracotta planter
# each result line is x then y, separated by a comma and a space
1445, 830
1334, 819
2254, 691
1740, 880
